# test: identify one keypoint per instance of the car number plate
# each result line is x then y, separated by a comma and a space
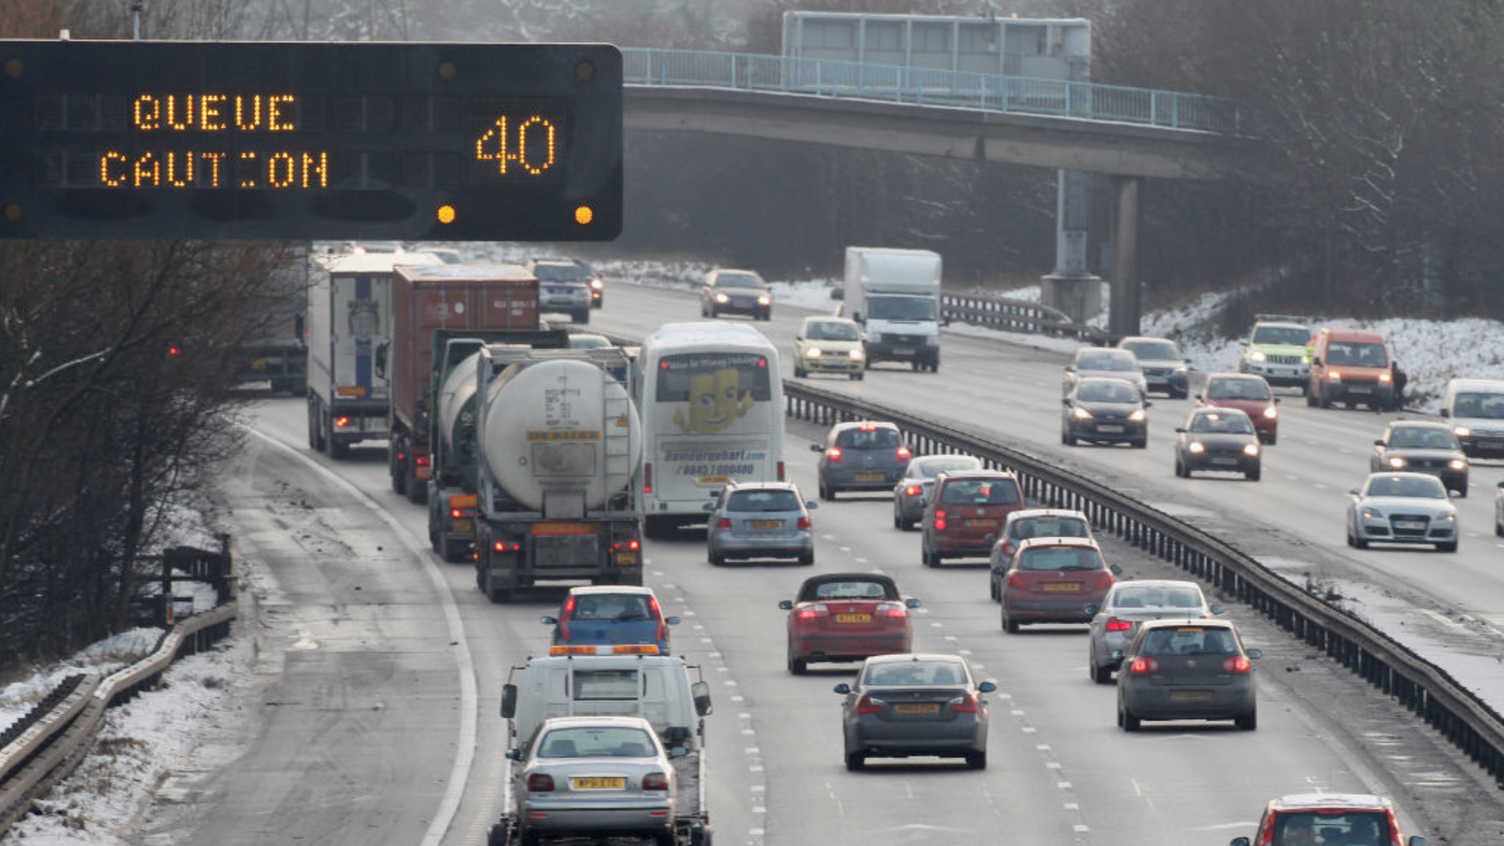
853, 618
1224, 461
461, 525
1190, 695
924, 708
766, 524
1409, 524
259, 364
981, 522
1111, 428
1062, 587
598, 783
626, 558
903, 350
1359, 389
869, 477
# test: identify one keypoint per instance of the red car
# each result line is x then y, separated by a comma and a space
1055, 580
964, 517
1247, 393
1302, 819
847, 617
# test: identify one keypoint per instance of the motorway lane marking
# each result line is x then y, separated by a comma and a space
1071, 806
1081, 829
1063, 785
459, 774
1052, 765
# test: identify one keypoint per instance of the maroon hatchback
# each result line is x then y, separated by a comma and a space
847, 617
1055, 580
965, 516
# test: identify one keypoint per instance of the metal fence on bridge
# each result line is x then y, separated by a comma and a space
896, 83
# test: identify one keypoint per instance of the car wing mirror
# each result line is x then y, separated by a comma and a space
509, 700
1316, 361
1065, 401
1379, 442
1500, 485
1116, 570
1147, 404
786, 604
708, 507
1070, 368
700, 692
987, 686
1353, 491
1255, 654
1444, 413
1216, 609
1092, 608
1180, 430
514, 753
1197, 398
671, 621
1417, 840
816, 448
1276, 400
677, 751
548, 621
842, 688
811, 505
911, 602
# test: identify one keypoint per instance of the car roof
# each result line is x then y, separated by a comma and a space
827, 318
1174, 622
1342, 333
857, 424
1312, 801
1405, 473
1027, 513
978, 474
1030, 543
900, 657
598, 720
1118, 351
1420, 424
1476, 384
1094, 380
951, 456
553, 262
735, 270
582, 590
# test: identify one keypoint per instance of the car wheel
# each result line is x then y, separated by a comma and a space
1322, 399
1359, 542
797, 666
1179, 469
498, 836
824, 493
1253, 475
1498, 529
1067, 438
714, 313
976, 760
665, 838
1248, 721
583, 315
1010, 625
1462, 491
992, 589
1101, 675
1273, 439
855, 761
807, 558
857, 376
1447, 547
800, 372
1127, 720
716, 560
897, 521
1310, 397
1141, 443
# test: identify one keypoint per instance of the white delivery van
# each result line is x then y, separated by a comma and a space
895, 295
1476, 409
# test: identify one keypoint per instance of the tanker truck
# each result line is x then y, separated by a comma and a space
452, 500
557, 447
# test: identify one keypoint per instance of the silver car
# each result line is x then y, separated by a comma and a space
1127, 605
595, 776
760, 520
1187, 670
862, 455
1162, 364
1402, 508
562, 286
915, 704
918, 482
1105, 362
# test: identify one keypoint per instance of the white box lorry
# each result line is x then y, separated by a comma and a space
895, 295
616, 680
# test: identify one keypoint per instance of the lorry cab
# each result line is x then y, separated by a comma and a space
895, 295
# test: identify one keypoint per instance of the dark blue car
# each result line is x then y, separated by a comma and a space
611, 615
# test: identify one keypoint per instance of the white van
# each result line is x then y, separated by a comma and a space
1476, 409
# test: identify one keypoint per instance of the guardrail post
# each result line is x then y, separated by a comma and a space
732, 57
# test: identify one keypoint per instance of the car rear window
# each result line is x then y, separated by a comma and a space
979, 492
1244, 389
929, 469
1156, 596
1190, 640
763, 501
560, 273
853, 589
1107, 361
878, 437
1417, 437
1353, 828
612, 606
596, 742
1060, 558
916, 673
1048, 527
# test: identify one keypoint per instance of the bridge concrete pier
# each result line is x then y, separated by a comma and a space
1069, 287
1124, 307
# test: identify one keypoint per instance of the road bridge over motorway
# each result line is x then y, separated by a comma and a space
1076, 127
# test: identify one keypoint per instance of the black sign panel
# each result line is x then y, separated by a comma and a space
140, 139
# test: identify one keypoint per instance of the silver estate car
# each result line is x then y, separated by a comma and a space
862, 455
1187, 670
1127, 605
915, 704
1402, 508
760, 520
918, 482
595, 776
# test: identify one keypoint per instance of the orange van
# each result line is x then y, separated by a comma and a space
1350, 366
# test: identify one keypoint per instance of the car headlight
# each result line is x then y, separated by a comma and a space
1250, 449
856, 353
1372, 514
1458, 464
1305, 359
1383, 378
1257, 356
1461, 431
1138, 416
1450, 517
1081, 413
596, 284
722, 298
1334, 376
764, 299
1271, 412
1397, 463
1197, 447
813, 352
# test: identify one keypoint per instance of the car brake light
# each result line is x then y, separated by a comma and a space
803, 523
1143, 665
658, 615
904, 454
869, 705
1016, 579
913, 490
780, 471
564, 617
1115, 624
422, 461
940, 521
655, 781
964, 704
810, 612
647, 478
455, 513
540, 782
834, 454
1104, 579
891, 609
723, 523
341, 422
1237, 664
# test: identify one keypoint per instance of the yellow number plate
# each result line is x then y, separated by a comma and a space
714, 480
626, 559
869, 477
766, 524
1062, 587
463, 524
598, 783
259, 364
853, 618
927, 708
983, 523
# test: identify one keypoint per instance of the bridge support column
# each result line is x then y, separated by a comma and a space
1124, 308
1070, 288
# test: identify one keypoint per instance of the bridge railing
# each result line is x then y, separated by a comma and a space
929, 86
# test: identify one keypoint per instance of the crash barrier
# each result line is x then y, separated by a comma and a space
1009, 315
1420, 686
43, 747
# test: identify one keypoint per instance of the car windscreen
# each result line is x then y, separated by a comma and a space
1153, 350
1106, 362
588, 342
1060, 558
914, 673
1221, 424
877, 437
737, 280
589, 685
763, 501
1156, 596
1107, 390
848, 589
1417, 437
611, 606
1290, 335
1356, 354
900, 308
596, 742
724, 380
1421, 487
979, 492
1190, 640
1052, 526
929, 469
831, 330
1479, 405
1239, 389
1349, 828
560, 273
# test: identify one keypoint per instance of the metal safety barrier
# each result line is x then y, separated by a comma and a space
1009, 315
930, 86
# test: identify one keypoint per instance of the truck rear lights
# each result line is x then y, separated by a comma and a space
503, 546
647, 471
456, 513
540, 783
964, 704
1115, 624
1237, 664
1143, 665
421, 461
341, 422
631, 545
869, 705
940, 522
834, 454
655, 781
